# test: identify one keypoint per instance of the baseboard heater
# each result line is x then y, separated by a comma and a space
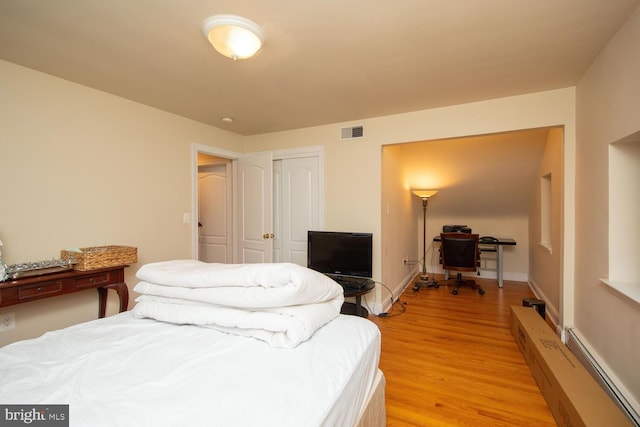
593, 367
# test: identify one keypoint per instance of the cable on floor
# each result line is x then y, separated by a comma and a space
393, 303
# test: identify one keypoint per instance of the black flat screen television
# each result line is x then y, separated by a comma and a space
340, 254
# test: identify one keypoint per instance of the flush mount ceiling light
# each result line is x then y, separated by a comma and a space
233, 36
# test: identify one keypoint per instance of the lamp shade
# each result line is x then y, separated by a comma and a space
424, 194
233, 36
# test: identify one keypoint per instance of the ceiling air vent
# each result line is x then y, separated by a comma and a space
352, 132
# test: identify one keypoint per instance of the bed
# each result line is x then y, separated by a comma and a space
131, 369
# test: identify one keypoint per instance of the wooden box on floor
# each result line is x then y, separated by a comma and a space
574, 397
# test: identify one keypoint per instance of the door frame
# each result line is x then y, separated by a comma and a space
310, 151
212, 151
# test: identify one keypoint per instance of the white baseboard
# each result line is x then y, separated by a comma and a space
551, 311
388, 299
601, 372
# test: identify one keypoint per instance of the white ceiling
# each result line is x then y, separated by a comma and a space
324, 61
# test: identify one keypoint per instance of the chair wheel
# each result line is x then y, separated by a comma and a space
481, 291
455, 292
435, 285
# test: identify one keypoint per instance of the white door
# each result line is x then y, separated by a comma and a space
277, 211
296, 207
255, 209
213, 213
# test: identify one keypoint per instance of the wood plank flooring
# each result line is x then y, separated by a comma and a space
450, 360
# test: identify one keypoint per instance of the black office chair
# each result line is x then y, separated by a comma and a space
459, 252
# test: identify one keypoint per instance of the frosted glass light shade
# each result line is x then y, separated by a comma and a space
424, 194
233, 36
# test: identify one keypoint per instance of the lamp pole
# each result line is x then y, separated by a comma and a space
423, 276
424, 279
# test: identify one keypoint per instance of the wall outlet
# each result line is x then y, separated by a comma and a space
7, 321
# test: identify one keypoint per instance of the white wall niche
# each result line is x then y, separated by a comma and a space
624, 214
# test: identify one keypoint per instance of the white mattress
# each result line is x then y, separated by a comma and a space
121, 371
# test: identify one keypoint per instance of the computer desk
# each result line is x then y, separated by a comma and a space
491, 247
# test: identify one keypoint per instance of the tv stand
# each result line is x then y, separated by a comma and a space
357, 308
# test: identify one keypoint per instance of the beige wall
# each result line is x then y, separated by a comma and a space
401, 233
545, 269
608, 109
79, 167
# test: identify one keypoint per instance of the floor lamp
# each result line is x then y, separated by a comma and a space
424, 281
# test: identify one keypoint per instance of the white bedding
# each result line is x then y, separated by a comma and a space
280, 303
237, 285
284, 327
123, 371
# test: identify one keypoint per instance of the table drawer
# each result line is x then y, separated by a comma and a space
38, 290
37, 287
8, 296
93, 281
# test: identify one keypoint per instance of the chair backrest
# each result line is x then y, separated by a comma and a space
459, 251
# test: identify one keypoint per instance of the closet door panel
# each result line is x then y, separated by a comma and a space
255, 209
300, 206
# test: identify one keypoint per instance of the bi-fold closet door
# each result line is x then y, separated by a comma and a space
278, 201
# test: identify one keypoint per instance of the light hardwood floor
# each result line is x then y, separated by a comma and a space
450, 360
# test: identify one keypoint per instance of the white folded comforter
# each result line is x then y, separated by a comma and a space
283, 327
237, 285
282, 304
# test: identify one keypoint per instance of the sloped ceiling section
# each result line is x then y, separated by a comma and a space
489, 175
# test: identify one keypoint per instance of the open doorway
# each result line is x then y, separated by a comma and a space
492, 183
212, 176
215, 209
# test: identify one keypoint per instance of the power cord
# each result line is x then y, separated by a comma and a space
386, 315
393, 303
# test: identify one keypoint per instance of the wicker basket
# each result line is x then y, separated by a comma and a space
101, 256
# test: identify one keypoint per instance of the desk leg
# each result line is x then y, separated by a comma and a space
499, 266
123, 295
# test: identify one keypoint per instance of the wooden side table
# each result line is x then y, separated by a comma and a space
357, 308
33, 288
